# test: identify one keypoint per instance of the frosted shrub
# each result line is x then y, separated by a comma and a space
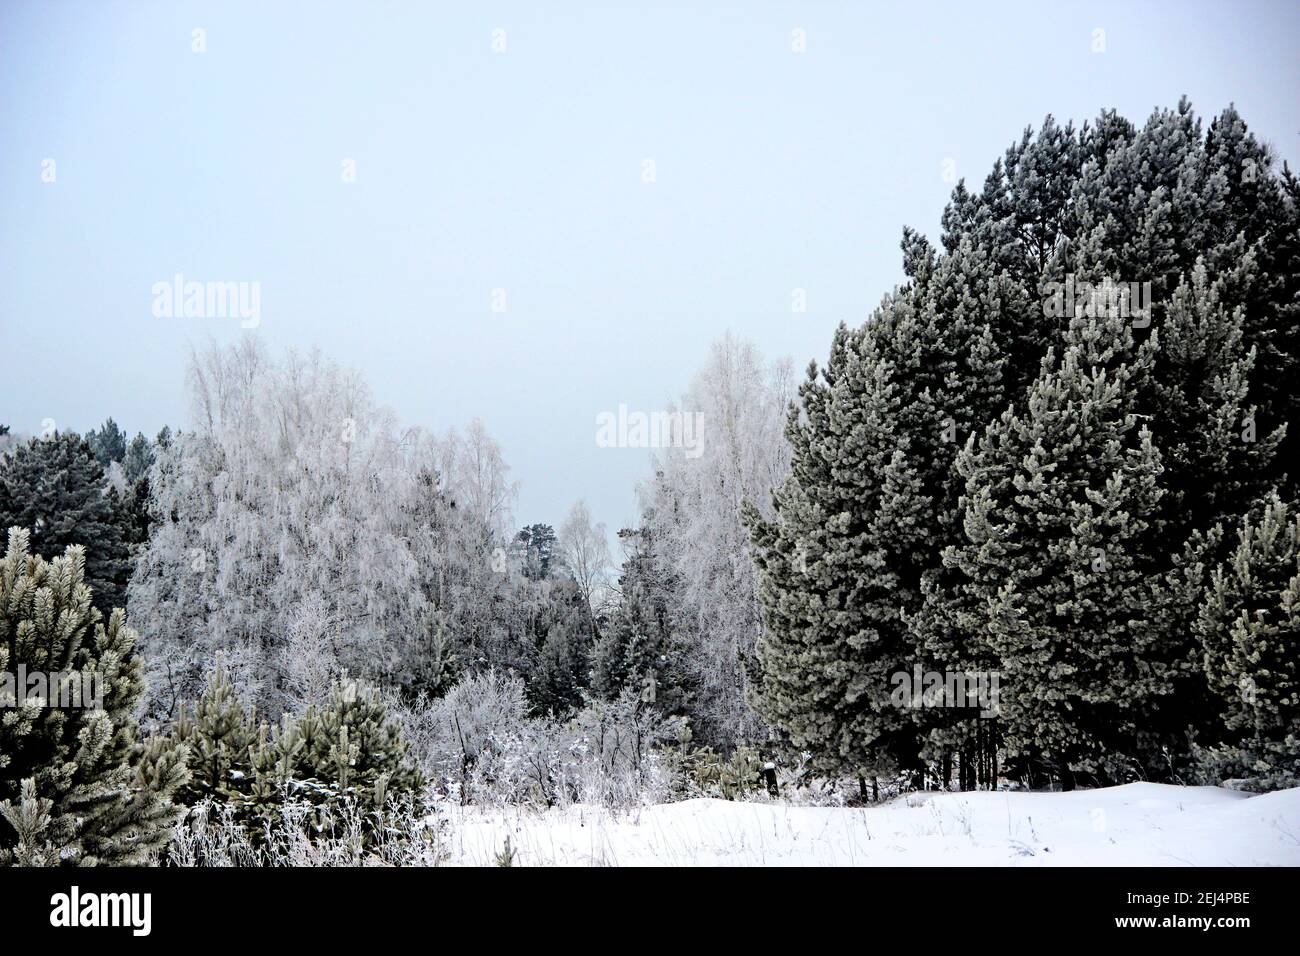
299, 833
478, 745
458, 739
619, 755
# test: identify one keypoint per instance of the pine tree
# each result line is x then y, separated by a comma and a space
560, 671
1249, 629
55, 489
1059, 500
139, 456
638, 650
72, 788
108, 443
345, 750
1206, 229
220, 737
835, 568
538, 544
951, 378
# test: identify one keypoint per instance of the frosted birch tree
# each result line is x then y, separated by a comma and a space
298, 530
693, 506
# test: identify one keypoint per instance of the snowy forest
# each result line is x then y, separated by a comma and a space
1031, 527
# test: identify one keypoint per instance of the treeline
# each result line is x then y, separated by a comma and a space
93, 491
1060, 454
329, 615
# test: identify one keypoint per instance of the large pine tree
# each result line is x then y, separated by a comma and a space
836, 568
1060, 496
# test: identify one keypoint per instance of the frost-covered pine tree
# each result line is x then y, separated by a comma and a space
835, 565
72, 789
343, 752
943, 334
1249, 629
1059, 499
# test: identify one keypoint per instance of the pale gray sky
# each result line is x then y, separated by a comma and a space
522, 170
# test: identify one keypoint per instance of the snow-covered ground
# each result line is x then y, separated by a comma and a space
1137, 824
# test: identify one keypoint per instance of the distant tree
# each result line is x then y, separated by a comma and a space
108, 443
296, 530
537, 542
138, 458
694, 507
558, 676
639, 651
55, 489
584, 549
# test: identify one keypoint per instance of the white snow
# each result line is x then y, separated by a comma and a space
1133, 825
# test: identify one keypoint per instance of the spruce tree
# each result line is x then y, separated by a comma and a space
72, 787
560, 670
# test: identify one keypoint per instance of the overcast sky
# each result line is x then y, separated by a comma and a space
524, 171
